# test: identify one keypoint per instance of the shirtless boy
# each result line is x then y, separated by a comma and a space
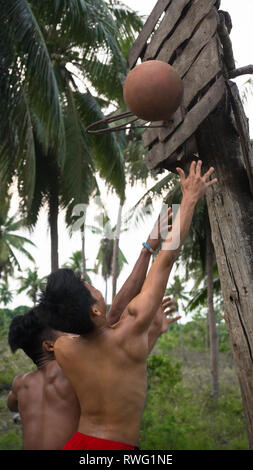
46, 400
107, 364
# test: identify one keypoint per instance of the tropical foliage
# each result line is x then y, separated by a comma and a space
11, 244
47, 51
31, 283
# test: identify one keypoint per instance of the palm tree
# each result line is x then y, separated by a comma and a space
10, 242
48, 44
104, 258
75, 263
31, 284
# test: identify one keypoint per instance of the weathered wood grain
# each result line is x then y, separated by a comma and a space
171, 17
230, 211
150, 135
242, 127
200, 38
190, 124
148, 28
185, 28
202, 71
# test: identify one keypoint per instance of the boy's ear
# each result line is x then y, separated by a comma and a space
48, 346
95, 311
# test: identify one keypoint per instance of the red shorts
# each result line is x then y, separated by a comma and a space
82, 442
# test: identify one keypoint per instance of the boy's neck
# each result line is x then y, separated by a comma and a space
44, 360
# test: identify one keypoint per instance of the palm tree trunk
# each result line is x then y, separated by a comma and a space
83, 247
106, 286
115, 257
53, 224
181, 335
34, 298
213, 336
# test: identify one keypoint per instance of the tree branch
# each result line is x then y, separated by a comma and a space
226, 42
248, 69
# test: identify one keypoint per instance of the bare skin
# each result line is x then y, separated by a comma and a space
113, 358
45, 399
48, 407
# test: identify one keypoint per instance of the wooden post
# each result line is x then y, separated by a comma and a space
230, 207
193, 37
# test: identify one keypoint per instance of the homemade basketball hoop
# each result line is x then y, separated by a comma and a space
91, 129
153, 91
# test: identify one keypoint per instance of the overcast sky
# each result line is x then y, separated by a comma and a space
130, 243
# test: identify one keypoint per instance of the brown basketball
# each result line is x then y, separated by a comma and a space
153, 90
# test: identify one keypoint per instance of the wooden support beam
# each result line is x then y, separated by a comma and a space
243, 131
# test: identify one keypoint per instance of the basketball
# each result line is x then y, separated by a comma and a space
153, 90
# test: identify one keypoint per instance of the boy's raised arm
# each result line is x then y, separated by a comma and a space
134, 282
145, 305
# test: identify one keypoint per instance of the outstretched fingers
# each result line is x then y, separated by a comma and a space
210, 183
208, 173
167, 301
172, 320
198, 167
181, 173
193, 168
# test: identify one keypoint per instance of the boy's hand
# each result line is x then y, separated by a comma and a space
194, 186
167, 302
160, 228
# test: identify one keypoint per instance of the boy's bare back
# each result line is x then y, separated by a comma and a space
48, 407
110, 380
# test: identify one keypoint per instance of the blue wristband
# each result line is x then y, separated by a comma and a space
148, 248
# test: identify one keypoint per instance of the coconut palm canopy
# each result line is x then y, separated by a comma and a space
46, 48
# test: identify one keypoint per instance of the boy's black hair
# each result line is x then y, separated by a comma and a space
28, 332
67, 303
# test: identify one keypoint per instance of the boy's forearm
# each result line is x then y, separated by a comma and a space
131, 287
173, 244
154, 333
168, 253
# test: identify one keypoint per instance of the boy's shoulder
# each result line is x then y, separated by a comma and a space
21, 378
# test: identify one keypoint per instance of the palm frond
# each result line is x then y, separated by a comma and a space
22, 29
107, 152
127, 20
200, 298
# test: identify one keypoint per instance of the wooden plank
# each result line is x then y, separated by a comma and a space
203, 34
178, 117
171, 17
202, 71
200, 74
243, 131
192, 121
185, 29
150, 135
201, 37
140, 43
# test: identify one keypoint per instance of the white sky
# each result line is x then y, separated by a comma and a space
130, 242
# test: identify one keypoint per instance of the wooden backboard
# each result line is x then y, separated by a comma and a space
184, 34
